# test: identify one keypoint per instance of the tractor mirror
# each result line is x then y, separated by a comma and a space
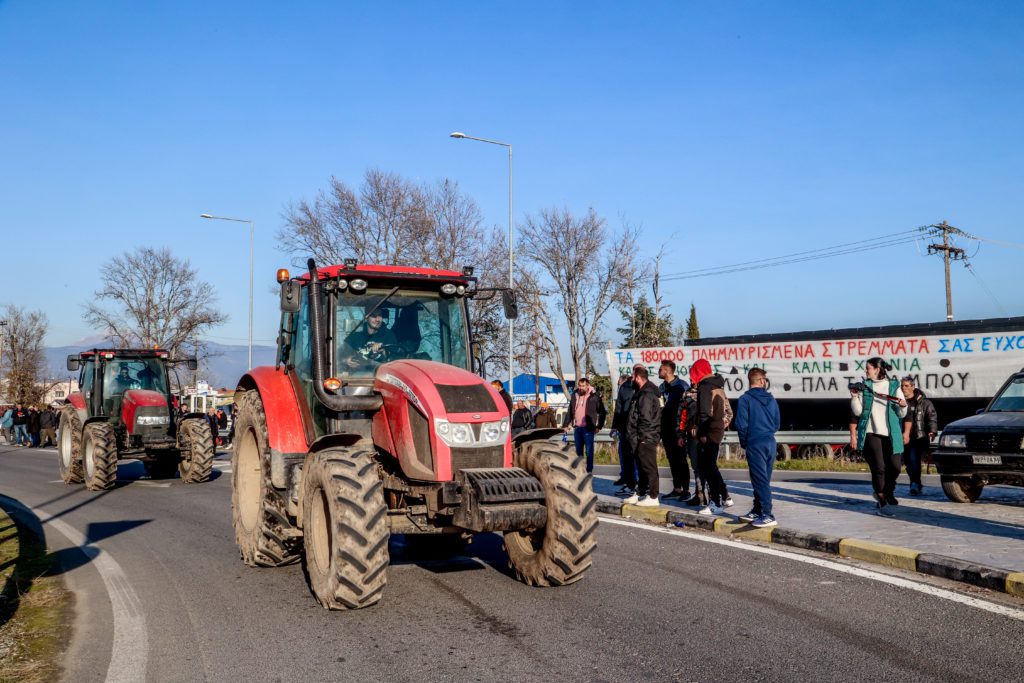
508, 300
192, 364
73, 363
290, 296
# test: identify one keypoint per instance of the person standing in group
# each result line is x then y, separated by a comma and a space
545, 418
585, 417
522, 418
757, 420
500, 388
919, 428
19, 421
880, 408
672, 391
48, 427
33, 427
686, 417
211, 418
7, 423
713, 416
643, 430
620, 416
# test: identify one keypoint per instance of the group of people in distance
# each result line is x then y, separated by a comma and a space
32, 427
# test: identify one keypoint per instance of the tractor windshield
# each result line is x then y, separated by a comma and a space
122, 374
408, 324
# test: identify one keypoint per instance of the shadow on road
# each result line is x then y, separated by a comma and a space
444, 554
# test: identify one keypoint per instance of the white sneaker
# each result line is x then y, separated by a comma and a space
728, 502
648, 502
706, 511
632, 500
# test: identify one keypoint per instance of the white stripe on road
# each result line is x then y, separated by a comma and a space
130, 648
995, 608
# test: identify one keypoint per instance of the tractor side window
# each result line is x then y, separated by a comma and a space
85, 381
302, 355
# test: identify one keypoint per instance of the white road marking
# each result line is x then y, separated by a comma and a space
130, 648
1001, 610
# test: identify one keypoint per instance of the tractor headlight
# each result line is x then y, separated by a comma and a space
454, 433
493, 432
953, 441
357, 285
153, 420
448, 288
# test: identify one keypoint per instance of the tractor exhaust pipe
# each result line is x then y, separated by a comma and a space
341, 404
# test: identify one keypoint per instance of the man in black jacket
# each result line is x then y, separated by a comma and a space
522, 418
500, 388
644, 432
48, 426
627, 461
585, 417
919, 427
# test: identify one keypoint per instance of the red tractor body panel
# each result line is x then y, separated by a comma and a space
77, 400
139, 398
369, 272
417, 394
285, 432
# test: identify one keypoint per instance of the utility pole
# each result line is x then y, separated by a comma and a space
3, 340
948, 253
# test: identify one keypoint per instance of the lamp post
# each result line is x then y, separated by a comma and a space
252, 238
3, 340
462, 136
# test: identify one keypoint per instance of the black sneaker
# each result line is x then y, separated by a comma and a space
619, 482
891, 499
694, 500
681, 495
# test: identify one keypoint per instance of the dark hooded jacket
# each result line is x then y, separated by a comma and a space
673, 394
922, 416
711, 408
757, 417
644, 421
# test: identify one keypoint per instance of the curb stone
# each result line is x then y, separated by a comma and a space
993, 578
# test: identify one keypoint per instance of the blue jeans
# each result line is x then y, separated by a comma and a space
582, 436
760, 463
20, 434
913, 453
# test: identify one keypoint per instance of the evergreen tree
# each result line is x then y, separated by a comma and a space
643, 328
692, 328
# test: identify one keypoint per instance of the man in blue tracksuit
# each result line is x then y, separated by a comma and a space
757, 420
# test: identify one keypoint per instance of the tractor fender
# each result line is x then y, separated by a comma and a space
535, 435
286, 435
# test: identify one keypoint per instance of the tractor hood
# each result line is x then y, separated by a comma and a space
437, 419
138, 402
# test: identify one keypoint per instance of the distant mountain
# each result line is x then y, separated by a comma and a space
227, 362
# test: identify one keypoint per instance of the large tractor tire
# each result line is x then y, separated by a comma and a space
561, 552
99, 456
69, 446
962, 489
345, 528
263, 533
197, 453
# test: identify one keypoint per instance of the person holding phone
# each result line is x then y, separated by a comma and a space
880, 407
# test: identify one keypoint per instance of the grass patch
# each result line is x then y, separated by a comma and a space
606, 455
35, 607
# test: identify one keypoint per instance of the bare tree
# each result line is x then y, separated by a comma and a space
393, 221
24, 357
575, 271
153, 299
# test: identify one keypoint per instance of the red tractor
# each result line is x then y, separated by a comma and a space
124, 409
372, 422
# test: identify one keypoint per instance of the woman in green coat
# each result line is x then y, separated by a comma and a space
879, 409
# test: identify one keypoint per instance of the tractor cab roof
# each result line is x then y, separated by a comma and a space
125, 353
406, 274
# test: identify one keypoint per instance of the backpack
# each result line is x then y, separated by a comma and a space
727, 413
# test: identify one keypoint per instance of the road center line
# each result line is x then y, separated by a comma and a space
995, 608
130, 647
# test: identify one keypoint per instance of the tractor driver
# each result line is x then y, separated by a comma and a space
122, 382
367, 345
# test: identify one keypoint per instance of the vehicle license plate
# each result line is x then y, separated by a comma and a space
987, 460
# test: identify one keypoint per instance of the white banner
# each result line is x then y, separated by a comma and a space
944, 366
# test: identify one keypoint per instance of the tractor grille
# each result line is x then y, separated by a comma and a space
467, 458
473, 398
421, 437
994, 442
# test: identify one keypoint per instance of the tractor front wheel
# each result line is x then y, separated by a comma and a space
196, 464
264, 535
99, 454
345, 528
69, 446
561, 552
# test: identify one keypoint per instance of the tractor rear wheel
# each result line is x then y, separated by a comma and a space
345, 528
69, 446
196, 464
561, 552
99, 455
264, 536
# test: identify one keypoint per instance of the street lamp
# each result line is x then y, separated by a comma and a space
251, 251
462, 136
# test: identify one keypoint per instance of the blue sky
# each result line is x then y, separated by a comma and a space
730, 130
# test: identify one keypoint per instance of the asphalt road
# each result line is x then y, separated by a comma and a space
655, 606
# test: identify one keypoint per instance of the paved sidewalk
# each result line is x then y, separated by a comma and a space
989, 532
